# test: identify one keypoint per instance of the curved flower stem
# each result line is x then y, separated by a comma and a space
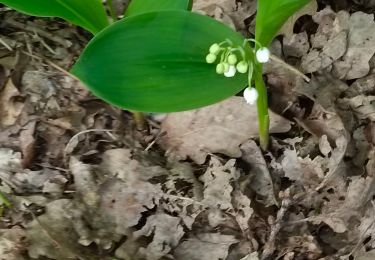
262, 105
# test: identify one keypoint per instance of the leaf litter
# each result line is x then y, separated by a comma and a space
84, 184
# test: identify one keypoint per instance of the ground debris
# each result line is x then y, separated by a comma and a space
205, 246
12, 244
342, 44
219, 128
83, 183
231, 12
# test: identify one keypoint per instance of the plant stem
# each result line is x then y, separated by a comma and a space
139, 119
112, 10
262, 105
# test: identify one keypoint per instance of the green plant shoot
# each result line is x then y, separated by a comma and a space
271, 15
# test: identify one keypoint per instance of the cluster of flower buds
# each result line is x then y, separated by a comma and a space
232, 59
229, 63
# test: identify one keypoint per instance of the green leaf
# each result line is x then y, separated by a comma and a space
271, 16
89, 14
155, 62
144, 6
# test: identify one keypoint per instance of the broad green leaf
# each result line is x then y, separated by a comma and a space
155, 62
89, 14
271, 15
144, 6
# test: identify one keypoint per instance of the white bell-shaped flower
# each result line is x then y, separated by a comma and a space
263, 55
230, 72
251, 95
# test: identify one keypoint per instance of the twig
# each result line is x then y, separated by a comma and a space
45, 44
161, 134
54, 65
362, 236
289, 67
52, 167
34, 29
69, 144
5, 44
269, 247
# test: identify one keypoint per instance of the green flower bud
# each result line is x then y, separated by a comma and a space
215, 48
242, 67
210, 58
220, 68
232, 59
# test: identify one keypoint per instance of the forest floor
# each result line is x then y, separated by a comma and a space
78, 180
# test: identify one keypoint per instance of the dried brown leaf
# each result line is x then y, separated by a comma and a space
119, 203
10, 107
302, 170
361, 47
261, 181
221, 194
363, 106
213, 246
242, 209
217, 184
231, 12
329, 42
12, 244
296, 45
219, 128
309, 9
52, 234
369, 255
27, 142
166, 232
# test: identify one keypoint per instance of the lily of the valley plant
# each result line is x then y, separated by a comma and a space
163, 58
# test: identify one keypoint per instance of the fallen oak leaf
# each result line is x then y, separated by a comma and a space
10, 107
213, 246
309, 9
219, 128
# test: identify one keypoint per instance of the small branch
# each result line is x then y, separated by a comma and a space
269, 247
34, 29
289, 67
5, 44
